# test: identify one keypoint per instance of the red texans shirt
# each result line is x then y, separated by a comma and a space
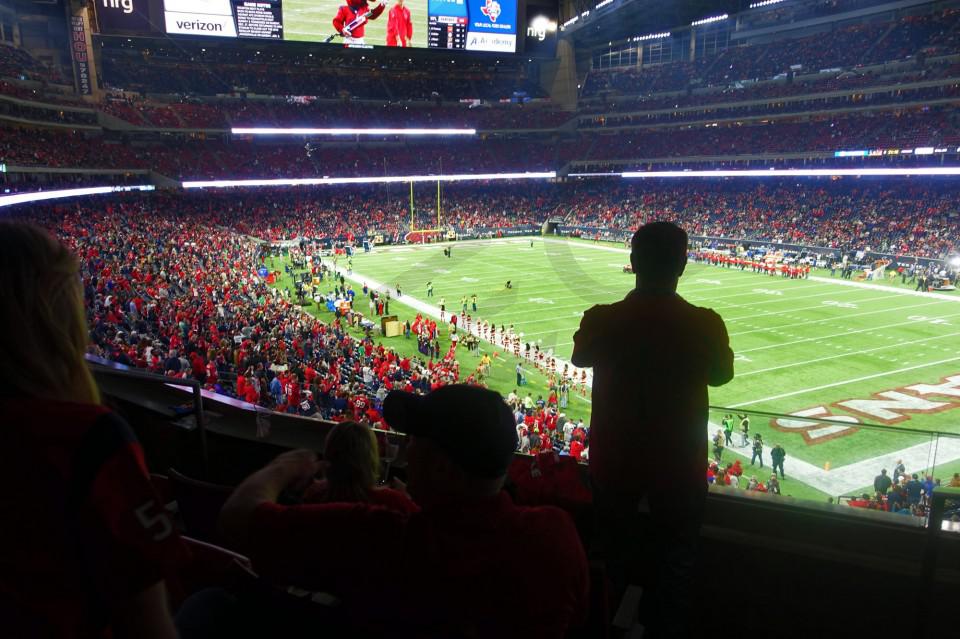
452, 571
84, 529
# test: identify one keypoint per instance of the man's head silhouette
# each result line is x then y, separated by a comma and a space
658, 255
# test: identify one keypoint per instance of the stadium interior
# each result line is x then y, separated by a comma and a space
260, 225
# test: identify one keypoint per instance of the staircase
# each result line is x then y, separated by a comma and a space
878, 41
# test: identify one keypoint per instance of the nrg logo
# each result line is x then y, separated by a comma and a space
540, 26
126, 5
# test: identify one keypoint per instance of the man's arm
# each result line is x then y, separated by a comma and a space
292, 468
410, 35
375, 9
313, 545
721, 365
585, 340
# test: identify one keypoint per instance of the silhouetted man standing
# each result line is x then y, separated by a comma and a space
653, 355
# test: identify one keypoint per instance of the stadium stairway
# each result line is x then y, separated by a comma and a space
879, 41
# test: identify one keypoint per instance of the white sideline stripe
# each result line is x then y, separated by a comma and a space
434, 312
917, 459
842, 355
844, 479
816, 339
878, 287
845, 382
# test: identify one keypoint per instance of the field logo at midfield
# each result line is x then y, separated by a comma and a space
886, 407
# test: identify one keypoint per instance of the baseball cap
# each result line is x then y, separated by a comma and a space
472, 425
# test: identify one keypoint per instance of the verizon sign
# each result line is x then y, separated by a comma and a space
200, 24
200, 18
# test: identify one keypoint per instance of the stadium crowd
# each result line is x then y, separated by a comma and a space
194, 158
171, 294
713, 112
849, 81
171, 280
852, 46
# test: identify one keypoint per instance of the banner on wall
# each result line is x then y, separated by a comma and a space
79, 55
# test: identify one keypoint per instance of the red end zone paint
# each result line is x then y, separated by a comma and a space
885, 407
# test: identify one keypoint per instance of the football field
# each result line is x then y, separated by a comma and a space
853, 353
312, 21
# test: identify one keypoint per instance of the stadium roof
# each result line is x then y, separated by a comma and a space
620, 19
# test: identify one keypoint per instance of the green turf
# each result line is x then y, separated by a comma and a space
312, 21
502, 375
800, 344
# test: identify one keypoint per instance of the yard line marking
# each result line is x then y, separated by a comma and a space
832, 319
845, 382
849, 354
815, 307
878, 287
779, 300
825, 337
580, 296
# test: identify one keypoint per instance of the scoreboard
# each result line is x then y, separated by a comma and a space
469, 25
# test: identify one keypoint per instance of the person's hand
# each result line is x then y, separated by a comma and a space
296, 468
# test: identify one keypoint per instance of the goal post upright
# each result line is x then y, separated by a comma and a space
413, 223
439, 215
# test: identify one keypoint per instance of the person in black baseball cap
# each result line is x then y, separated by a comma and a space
462, 439
447, 570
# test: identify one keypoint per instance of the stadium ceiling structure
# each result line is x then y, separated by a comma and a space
622, 19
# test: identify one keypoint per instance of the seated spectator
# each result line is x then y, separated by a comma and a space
87, 544
448, 570
351, 466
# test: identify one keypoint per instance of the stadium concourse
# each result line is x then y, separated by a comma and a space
446, 219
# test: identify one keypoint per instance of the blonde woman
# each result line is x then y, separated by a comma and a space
351, 465
86, 542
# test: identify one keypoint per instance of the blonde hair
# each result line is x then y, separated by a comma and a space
353, 462
43, 327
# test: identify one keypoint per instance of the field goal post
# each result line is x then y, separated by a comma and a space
422, 236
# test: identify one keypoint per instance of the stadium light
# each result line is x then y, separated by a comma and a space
40, 196
941, 170
697, 23
389, 179
652, 36
347, 131
765, 3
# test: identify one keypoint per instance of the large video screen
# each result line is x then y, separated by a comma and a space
471, 25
